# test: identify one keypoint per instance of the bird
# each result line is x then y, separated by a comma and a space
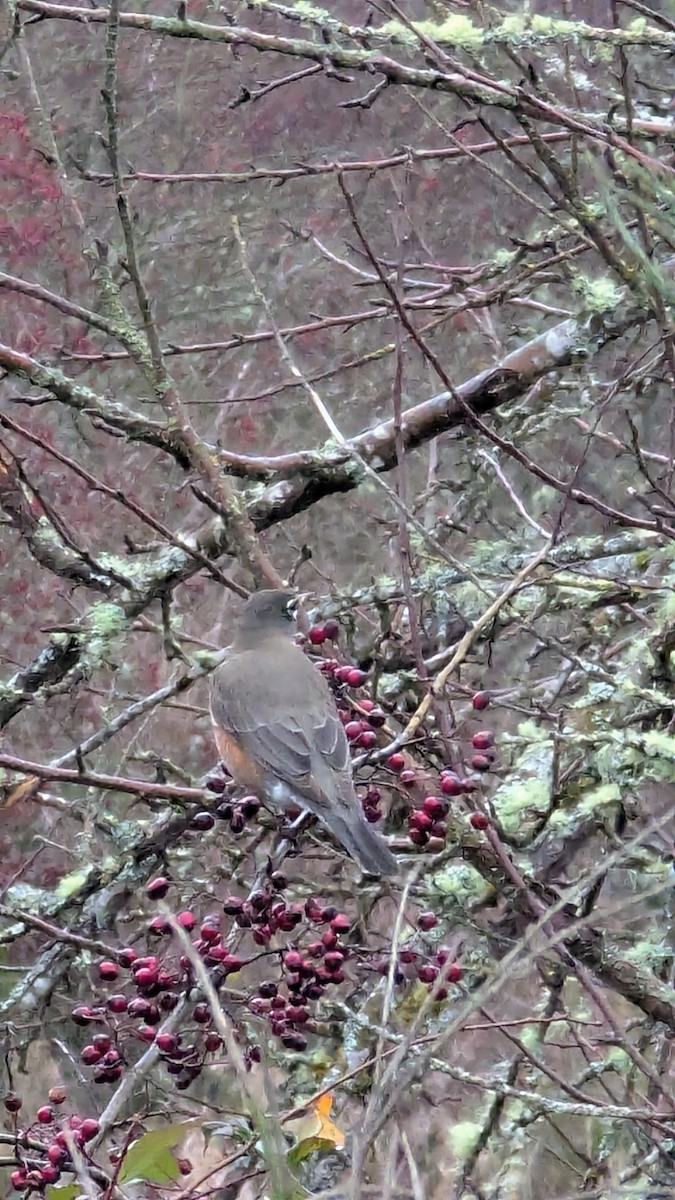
277, 728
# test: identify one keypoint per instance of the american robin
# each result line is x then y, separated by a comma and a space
278, 730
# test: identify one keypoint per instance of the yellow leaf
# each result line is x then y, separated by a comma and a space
315, 1131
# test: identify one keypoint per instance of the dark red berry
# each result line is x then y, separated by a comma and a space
480, 762
233, 905
427, 973
57, 1154
368, 739
340, 923
317, 635
418, 837
480, 701
479, 820
127, 957
102, 1042
453, 973
117, 1003
353, 730
166, 1042
45, 1114
108, 970
203, 821
419, 820
13, 1103
212, 1043
331, 630
90, 1055
426, 920
396, 762
157, 888
146, 1033
201, 1013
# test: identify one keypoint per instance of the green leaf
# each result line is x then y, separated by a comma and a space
307, 1146
70, 1192
151, 1157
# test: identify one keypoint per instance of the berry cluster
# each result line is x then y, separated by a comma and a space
53, 1134
427, 964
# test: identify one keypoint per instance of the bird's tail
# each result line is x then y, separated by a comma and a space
366, 847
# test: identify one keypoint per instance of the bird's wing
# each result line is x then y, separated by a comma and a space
292, 729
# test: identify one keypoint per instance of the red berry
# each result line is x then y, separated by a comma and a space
139, 1007
146, 1033
233, 905
317, 635
334, 960
186, 920
145, 977
479, 820
438, 830
451, 785
426, 920
89, 1128
157, 888
427, 973
18, 1180
372, 815
209, 932
483, 739
419, 820
90, 1055
201, 1013
480, 701
435, 807
407, 956
480, 762
166, 1042
331, 630
117, 1004
127, 957
293, 960
212, 1043
50, 1173
368, 739
408, 776
340, 923
356, 678
396, 762
418, 837
453, 973
56, 1154
102, 1042
108, 970
45, 1114
353, 730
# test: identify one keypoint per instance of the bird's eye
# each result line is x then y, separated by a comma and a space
292, 609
